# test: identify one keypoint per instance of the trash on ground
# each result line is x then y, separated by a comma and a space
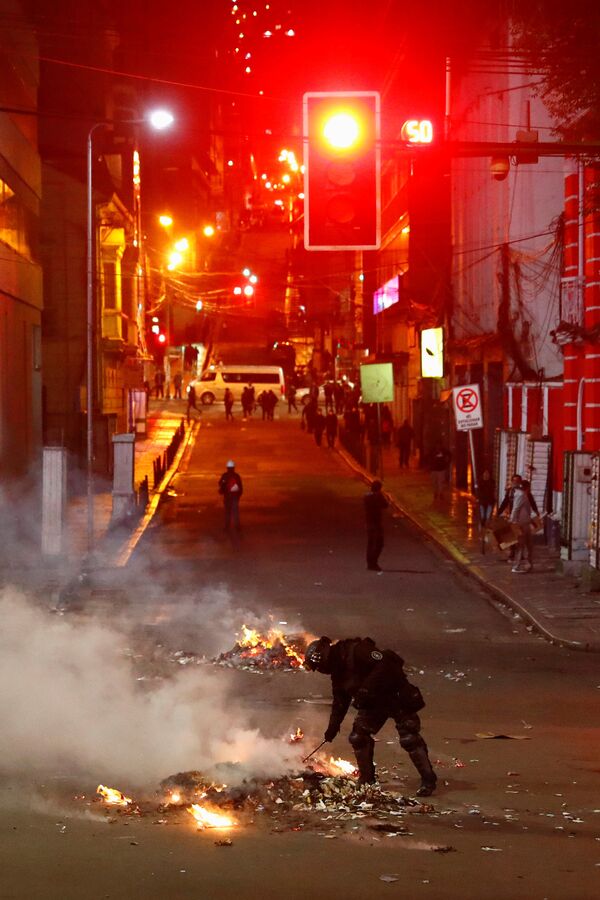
490, 736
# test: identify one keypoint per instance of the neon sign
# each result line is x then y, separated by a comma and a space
417, 131
387, 295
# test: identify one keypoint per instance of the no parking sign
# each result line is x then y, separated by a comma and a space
467, 407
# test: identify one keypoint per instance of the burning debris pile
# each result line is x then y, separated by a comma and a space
254, 651
325, 794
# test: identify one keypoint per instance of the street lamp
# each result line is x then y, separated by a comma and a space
158, 119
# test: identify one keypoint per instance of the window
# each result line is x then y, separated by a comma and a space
209, 376
16, 222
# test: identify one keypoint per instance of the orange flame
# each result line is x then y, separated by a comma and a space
112, 796
297, 736
255, 643
207, 818
341, 766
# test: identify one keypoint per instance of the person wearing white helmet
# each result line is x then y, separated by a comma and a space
231, 489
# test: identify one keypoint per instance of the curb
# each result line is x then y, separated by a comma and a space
467, 567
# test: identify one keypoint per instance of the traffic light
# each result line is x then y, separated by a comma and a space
342, 162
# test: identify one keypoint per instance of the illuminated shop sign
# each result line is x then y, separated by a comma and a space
432, 353
387, 295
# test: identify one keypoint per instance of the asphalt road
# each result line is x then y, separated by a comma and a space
522, 814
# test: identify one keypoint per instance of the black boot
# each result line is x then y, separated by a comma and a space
366, 768
420, 760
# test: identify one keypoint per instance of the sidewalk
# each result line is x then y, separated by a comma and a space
164, 417
551, 602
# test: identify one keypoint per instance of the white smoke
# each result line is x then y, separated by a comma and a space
70, 701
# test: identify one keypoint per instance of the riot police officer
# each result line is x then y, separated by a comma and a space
375, 682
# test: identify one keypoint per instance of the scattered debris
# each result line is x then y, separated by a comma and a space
389, 878
226, 842
490, 736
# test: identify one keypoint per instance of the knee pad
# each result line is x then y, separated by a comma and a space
410, 742
360, 739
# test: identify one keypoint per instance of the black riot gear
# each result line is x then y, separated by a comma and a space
374, 682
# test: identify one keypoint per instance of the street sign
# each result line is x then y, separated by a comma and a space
377, 382
467, 407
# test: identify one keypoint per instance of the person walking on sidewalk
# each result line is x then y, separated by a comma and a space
440, 460
231, 489
486, 495
374, 504
228, 400
521, 516
404, 439
191, 401
331, 428
319, 426
375, 681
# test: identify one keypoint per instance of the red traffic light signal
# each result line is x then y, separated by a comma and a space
342, 162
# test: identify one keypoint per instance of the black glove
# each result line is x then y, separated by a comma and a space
331, 733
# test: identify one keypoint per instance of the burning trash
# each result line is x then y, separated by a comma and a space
208, 818
298, 735
272, 650
113, 797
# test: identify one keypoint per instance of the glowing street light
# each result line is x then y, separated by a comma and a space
182, 245
208, 231
246, 272
175, 260
248, 290
165, 220
161, 119
199, 305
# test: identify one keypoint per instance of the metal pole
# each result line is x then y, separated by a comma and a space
379, 442
473, 463
90, 347
90, 319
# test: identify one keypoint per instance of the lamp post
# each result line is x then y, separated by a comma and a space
158, 119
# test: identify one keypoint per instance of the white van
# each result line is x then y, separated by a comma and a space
211, 386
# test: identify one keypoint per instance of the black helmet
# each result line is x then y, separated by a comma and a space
317, 655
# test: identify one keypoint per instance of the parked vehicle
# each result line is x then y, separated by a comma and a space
211, 386
303, 394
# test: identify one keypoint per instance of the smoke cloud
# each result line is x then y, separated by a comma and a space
70, 702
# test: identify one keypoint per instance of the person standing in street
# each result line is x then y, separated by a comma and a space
159, 383
375, 682
231, 489
404, 439
177, 382
228, 400
291, 398
374, 504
